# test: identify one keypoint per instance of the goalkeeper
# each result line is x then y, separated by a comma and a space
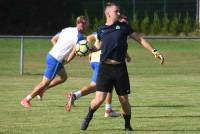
112, 70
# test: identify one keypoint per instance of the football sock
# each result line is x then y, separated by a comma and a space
87, 119
29, 97
108, 107
78, 94
90, 112
127, 119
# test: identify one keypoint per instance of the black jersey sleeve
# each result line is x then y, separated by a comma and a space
129, 29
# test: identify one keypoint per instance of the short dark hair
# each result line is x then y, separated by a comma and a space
109, 4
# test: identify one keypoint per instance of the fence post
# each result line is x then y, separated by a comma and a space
198, 11
22, 56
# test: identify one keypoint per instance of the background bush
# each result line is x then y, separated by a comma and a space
158, 25
135, 23
155, 26
145, 24
165, 24
187, 25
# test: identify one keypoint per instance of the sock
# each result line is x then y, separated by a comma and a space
29, 97
108, 107
90, 113
78, 94
127, 119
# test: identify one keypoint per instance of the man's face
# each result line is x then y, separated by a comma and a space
114, 13
82, 26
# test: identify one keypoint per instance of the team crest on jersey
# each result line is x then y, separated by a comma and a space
117, 27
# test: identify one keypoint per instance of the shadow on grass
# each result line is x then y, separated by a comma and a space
173, 130
105, 129
141, 130
167, 106
28, 73
145, 106
171, 116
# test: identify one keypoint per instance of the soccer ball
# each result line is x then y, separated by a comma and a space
82, 48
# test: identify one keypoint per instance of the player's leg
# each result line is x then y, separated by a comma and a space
122, 87
71, 97
94, 105
91, 88
126, 108
53, 66
109, 112
104, 85
60, 78
37, 89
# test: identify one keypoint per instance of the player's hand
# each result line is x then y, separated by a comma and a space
128, 58
158, 56
90, 46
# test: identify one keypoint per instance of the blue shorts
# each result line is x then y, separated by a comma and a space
53, 66
95, 67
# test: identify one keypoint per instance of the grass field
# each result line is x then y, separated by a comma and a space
165, 99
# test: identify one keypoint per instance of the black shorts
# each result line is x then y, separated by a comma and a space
116, 76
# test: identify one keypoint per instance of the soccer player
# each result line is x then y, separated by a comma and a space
112, 70
62, 52
54, 40
94, 59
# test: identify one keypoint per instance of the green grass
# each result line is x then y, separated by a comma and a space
165, 99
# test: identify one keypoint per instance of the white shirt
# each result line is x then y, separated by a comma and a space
68, 37
95, 56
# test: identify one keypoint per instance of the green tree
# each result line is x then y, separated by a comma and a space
96, 23
145, 25
155, 26
196, 27
174, 27
165, 24
135, 23
187, 24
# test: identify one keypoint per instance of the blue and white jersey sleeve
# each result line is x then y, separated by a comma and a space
80, 37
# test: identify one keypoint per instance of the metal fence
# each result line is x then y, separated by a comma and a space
142, 7
22, 38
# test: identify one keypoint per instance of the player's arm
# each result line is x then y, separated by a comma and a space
97, 44
54, 39
91, 39
147, 45
71, 55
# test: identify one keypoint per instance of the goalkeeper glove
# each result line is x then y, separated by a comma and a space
158, 55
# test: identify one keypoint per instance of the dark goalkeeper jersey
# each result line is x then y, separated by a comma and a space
114, 41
